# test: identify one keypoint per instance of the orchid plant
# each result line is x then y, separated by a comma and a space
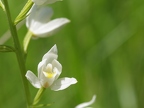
39, 24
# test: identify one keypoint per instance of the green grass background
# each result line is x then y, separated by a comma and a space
102, 47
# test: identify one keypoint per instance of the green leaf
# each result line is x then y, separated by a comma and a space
4, 48
23, 14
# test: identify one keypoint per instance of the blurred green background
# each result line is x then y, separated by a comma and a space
102, 47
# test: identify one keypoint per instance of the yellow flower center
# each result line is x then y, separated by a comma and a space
49, 74
48, 71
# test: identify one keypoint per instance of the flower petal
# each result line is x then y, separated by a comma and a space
37, 17
57, 67
45, 82
40, 68
33, 79
62, 83
51, 27
51, 54
86, 104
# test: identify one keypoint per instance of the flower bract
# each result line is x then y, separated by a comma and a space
49, 69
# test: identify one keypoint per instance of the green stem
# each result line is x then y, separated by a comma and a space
38, 96
19, 52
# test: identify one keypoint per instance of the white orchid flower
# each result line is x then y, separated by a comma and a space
39, 23
44, 2
86, 104
49, 69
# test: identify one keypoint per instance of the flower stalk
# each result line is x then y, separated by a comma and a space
38, 95
18, 51
27, 40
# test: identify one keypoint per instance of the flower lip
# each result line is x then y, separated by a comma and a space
48, 71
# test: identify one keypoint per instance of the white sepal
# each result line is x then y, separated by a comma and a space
33, 79
63, 83
51, 54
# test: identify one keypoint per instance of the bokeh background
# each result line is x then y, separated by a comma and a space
103, 47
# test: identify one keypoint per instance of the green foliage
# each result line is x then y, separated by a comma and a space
102, 47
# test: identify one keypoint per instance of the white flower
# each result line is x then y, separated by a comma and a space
86, 104
39, 23
49, 70
44, 2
